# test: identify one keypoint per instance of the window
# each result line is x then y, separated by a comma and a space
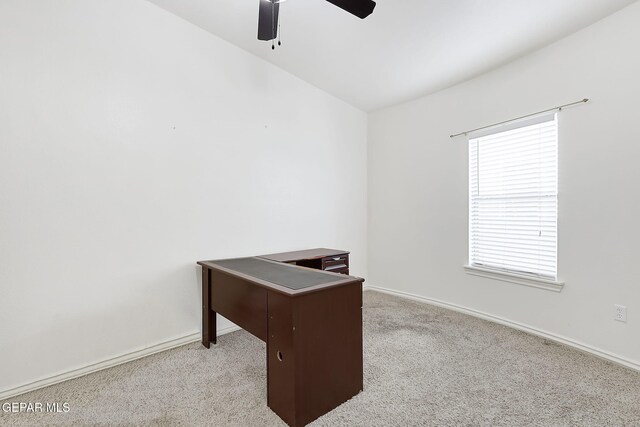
513, 199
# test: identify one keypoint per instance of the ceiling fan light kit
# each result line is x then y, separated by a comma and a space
270, 9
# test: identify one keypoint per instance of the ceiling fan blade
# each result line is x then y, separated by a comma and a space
268, 20
359, 8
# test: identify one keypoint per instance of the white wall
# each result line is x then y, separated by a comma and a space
418, 187
133, 144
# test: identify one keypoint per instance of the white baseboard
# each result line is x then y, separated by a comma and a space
109, 363
516, 325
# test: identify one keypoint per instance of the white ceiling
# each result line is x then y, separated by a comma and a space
405, 49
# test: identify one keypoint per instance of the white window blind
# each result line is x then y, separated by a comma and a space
513, 198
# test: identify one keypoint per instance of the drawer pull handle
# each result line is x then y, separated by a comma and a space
279, 354
337, 259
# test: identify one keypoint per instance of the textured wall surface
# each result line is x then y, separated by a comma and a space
418, 188
133, 144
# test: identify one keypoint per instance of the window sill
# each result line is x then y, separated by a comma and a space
520, 279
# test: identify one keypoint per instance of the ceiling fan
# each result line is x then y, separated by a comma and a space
269, 9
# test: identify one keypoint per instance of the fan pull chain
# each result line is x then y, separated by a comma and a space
279, 30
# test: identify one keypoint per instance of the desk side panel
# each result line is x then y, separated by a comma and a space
328, 347
242, 302
281, 359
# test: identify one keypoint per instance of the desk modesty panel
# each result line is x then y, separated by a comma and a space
311, 321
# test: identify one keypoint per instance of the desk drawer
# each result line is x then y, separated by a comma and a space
341, 270
333, 262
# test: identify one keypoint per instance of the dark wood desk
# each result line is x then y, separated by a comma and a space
334, 260
310, 320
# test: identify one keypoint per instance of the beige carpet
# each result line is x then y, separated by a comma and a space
424, 366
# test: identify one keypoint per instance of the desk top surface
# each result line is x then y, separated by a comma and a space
304, 254
288, 276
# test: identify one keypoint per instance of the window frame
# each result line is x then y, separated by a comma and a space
509, 275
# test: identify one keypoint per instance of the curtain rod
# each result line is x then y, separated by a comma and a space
559, 108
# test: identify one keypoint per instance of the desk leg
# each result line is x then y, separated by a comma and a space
209, 331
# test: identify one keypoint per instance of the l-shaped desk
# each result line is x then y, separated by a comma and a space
311, 321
